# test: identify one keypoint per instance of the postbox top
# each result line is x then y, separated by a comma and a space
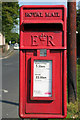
43, 27
42, 14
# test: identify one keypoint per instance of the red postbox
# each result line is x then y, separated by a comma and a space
43, 55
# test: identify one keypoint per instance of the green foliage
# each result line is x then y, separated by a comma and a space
78, 20
72, 109
0, 17
78, 44
12, 37
10, 13
78, 29
78, 85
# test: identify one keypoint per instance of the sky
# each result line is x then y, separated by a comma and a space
42, 2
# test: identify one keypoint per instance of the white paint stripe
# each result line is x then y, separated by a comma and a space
6, 56
5, 91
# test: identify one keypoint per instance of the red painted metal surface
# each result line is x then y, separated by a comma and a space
43, 27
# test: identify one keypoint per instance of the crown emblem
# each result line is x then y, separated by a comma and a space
42, 37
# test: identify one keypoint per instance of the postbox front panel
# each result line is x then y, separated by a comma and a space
43, 39
43, 104
43, 62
